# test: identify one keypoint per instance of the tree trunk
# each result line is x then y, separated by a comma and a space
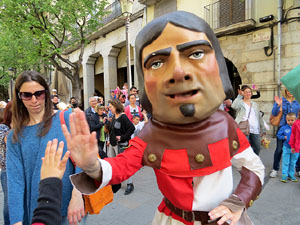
76, 88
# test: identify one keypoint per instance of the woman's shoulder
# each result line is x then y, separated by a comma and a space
59, 113
122, 116
296, 102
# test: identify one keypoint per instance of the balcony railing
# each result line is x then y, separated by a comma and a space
227, 12
114, 11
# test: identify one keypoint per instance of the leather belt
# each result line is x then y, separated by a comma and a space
191, 216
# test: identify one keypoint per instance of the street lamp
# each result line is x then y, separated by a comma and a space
126, 6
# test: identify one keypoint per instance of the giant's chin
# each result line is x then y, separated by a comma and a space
187, 110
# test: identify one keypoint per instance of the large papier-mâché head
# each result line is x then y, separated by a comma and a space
182, 72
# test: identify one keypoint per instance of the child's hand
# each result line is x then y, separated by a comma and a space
285, 137
293, 150
52, 165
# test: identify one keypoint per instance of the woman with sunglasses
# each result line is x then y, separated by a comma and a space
34, 124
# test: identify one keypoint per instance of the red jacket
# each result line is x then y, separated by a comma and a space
295, 136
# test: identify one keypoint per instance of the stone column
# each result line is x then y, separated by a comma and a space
88, 80
110, 68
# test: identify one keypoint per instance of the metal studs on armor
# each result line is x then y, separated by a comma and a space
251, 203
152, 158
234, 145
199, 158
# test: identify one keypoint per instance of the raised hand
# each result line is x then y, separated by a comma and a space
240, 92
53, 165
278, 100
81, 143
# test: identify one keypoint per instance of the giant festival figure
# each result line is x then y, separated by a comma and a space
189, 142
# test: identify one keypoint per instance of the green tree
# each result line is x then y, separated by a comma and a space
17, 53
52, 27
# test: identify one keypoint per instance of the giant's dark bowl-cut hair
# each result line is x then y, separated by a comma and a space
20, 116
180, 19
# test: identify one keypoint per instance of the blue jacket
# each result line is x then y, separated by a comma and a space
287, 107
285, 130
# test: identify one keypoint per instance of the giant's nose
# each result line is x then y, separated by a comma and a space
178, 75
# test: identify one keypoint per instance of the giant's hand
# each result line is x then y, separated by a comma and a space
225, 214
81, 143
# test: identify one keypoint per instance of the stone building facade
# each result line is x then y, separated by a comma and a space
249, 46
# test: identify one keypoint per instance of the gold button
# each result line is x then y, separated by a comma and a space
257, 197
199, 158
234, 145
251, 203
152, 158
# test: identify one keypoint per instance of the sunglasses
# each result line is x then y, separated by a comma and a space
28, 95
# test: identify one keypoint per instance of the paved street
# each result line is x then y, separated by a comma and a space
277, 205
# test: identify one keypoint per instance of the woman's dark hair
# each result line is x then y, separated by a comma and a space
20, 116
244, 87
187, 21
130, 96
117, 104
7, 116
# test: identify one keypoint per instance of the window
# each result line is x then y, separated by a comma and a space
227, 12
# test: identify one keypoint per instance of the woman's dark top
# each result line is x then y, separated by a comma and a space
120, 127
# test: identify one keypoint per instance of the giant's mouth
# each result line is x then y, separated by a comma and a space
184, 94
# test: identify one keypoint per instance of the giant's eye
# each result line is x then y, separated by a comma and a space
156, 64
197, 54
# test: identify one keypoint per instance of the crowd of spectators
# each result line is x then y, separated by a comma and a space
123, 118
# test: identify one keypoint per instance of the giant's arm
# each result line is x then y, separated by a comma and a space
252, 174
111, 170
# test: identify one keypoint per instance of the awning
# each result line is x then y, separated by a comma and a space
292, 82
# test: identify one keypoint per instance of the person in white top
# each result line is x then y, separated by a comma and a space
246, 109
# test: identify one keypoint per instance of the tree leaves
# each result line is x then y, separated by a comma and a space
36, 32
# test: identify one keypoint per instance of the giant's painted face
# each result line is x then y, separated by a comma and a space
181, 76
